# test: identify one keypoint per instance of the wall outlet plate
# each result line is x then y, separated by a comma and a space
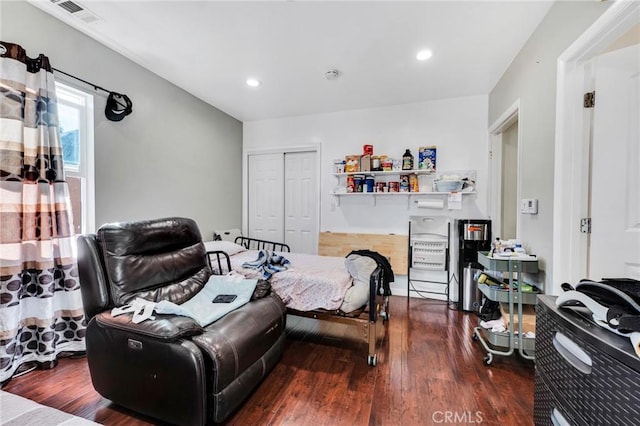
529, 206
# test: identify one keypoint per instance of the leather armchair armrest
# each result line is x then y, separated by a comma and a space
164, 327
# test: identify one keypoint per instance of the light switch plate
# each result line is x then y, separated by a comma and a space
529, 206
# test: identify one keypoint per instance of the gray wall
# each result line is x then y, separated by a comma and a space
173, 156
531, 77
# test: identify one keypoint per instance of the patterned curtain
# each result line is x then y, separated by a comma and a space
41, 312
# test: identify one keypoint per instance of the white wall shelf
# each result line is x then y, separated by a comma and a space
407, 195
382, 194
388, 173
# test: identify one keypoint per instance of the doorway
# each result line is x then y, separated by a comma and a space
283, 198
504, 177
509, 193
572, 173
613, 248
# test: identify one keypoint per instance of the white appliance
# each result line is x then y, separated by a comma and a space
429, 241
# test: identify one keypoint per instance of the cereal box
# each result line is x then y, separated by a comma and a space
427, 158
352, 163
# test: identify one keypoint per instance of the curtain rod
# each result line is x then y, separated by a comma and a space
95, 86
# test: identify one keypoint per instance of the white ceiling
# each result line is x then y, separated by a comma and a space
210, 48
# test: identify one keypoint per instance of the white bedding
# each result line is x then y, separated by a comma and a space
311, 282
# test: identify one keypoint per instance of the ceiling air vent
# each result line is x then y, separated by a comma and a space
77, 11
70, 7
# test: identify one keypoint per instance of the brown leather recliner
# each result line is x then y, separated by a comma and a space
169, 368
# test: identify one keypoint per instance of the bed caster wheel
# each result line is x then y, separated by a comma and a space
488, 359
474, 337
385, 316
372, 360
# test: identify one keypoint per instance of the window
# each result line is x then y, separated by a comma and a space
75, 111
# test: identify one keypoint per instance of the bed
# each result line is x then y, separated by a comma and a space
348, 290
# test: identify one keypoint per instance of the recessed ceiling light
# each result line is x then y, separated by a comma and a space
252, 82
423, 55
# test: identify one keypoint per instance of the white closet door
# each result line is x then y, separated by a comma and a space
615, 196
266, 197
301, 202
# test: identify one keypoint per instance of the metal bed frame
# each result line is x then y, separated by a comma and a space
370, 319
257, 244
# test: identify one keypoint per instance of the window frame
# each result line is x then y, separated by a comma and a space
82, 101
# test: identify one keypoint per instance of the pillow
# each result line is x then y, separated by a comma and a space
356, 297
360, 268
225, 246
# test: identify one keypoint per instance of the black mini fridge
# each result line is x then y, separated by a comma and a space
474, 235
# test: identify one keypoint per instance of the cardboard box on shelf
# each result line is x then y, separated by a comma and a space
528, 317
365, 163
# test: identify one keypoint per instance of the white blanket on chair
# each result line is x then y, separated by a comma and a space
200, 307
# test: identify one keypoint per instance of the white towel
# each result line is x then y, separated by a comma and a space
496, 326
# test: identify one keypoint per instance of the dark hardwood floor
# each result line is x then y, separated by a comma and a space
429, 372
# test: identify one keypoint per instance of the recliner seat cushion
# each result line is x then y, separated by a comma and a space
242, 337
155, 260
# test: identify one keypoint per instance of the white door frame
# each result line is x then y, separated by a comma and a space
570, 198
275, 150
506, 120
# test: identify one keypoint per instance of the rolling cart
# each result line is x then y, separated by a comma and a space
516, 298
